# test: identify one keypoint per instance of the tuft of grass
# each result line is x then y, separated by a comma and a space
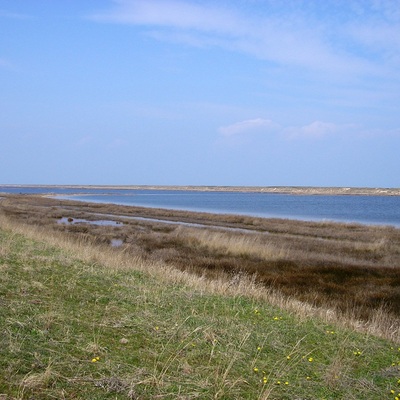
83, 321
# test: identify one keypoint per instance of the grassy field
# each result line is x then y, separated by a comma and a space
81, 320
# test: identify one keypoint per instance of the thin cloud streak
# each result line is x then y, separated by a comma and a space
316, 130
84, 141
250, 125
11, 15
7, 64
285, 38
379, 38
171, 13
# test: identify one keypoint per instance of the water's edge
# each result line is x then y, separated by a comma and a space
326, 207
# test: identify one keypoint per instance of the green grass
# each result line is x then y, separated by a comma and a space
73, 329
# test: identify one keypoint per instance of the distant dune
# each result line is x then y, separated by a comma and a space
299, 190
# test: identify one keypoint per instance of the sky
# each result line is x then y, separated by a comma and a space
190, 92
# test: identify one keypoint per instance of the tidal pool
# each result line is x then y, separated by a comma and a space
116, 242
101, 222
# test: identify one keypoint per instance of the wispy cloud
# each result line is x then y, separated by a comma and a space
292, 34
379, 38
6, 64
248, 126
13, 15
84, 141
171, 13
316, 130
117, 143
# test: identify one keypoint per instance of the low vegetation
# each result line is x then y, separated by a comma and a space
352, 269
81, 320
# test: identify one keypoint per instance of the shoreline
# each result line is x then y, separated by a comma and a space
294, 190
227, 213
186, 216
80, 196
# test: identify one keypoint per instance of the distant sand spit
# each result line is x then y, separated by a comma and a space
295, 190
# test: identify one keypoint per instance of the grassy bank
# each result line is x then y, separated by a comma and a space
84, 321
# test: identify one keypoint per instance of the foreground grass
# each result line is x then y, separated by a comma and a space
73, 327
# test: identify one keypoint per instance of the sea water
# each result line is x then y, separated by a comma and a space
380, 210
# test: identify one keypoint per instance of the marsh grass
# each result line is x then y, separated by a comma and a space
232, 244
350, 271
80, 320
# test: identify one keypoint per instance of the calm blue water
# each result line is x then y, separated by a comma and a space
363, 209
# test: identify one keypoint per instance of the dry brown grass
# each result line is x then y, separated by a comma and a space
38, 380
234, 244
339, 272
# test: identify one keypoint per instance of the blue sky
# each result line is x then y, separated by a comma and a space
188, 92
